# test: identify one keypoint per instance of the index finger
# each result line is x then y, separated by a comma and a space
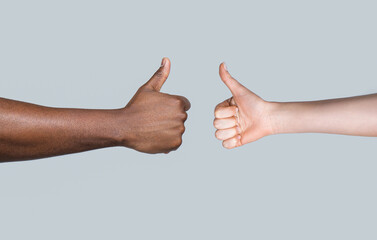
222, 104
225, 112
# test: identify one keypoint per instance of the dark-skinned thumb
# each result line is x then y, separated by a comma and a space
158, 79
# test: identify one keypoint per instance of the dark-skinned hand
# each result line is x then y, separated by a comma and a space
155, 119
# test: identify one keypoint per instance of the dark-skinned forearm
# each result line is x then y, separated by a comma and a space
29, 131
151, 122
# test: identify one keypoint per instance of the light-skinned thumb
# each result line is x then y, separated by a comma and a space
234, 86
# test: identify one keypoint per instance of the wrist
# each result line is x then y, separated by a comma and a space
294, 117
105, 127
280, 117
121, 125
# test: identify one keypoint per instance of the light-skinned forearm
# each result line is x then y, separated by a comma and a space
350, 116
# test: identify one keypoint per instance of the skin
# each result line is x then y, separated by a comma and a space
246, 117
152, 122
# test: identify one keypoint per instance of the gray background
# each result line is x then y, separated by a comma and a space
95, 54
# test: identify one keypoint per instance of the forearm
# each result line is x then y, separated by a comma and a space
349, 116
29, 131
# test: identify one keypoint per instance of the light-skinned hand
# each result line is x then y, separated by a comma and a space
244, 117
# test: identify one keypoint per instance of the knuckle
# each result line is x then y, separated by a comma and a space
159, 73
216, 112
217, 123
143, 88
234, 120
226, 145
178, 143
182, 129
184, 116
217, 134
176, 102
180, 103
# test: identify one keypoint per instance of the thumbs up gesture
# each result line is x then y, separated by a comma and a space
153, 122
243, 118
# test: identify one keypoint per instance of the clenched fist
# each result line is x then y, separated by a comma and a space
243, 118
155, 120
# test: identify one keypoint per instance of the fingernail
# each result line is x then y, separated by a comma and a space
163, 62
239, 137
239, 131
225, 66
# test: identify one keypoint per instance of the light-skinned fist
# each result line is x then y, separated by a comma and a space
243, 118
